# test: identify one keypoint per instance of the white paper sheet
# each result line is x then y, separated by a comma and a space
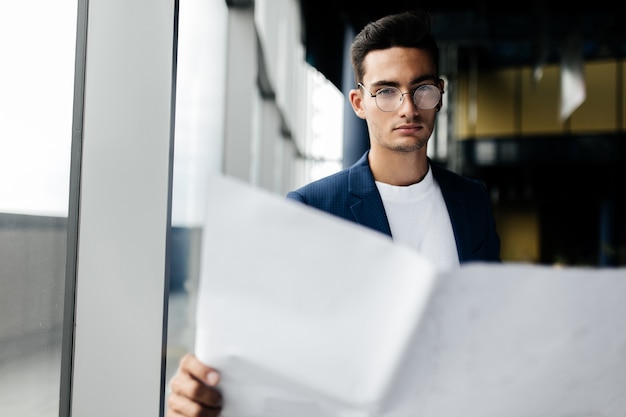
306, 315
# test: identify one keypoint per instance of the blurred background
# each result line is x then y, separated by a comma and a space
534, 107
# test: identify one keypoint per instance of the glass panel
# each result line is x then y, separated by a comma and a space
199, 129
199, 136
38, 40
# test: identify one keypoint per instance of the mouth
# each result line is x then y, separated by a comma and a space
408, 128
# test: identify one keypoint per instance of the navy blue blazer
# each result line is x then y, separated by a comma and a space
352, 195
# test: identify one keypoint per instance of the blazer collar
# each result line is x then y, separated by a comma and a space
368, 209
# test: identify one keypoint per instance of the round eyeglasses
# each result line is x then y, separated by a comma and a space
425, 97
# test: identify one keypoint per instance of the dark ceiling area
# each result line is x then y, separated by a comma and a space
491, 33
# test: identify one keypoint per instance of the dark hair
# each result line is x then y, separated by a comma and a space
407, 29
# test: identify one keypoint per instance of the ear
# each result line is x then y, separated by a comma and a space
441, 85
356, 100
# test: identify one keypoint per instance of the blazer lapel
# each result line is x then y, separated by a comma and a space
365, 202
457, 212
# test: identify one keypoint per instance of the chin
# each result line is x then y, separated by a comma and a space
408, 147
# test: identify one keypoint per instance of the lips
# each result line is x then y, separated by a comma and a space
408, 128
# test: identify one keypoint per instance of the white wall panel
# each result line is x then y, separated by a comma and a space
124, 208
241, 93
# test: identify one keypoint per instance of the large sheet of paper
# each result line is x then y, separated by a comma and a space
307, 315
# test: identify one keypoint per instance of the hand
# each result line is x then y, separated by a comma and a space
194, 392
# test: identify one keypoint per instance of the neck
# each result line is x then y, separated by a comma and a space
398, 168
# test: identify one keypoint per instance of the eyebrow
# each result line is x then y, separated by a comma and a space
427, 77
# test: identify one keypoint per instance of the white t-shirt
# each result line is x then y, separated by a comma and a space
418, 217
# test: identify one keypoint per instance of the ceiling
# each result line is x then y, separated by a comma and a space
488, 31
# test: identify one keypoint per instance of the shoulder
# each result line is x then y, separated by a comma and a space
322, 189
337, 187
452, 181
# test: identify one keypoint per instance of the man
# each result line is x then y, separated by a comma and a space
394, 188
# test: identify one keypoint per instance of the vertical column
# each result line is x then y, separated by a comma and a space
124, 208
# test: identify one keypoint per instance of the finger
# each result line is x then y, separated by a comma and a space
190, 364
180, 406
186, 385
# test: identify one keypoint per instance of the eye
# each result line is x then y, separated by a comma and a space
387, 91
427, 88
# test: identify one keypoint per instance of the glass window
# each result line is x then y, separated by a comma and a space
199, 127
38, 40
199, 151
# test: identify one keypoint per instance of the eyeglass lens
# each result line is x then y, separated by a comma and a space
425, 97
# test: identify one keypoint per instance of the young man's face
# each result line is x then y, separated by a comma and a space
407, 128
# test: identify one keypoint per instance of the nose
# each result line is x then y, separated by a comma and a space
411, 108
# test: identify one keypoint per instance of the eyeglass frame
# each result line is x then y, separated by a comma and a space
375, 96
